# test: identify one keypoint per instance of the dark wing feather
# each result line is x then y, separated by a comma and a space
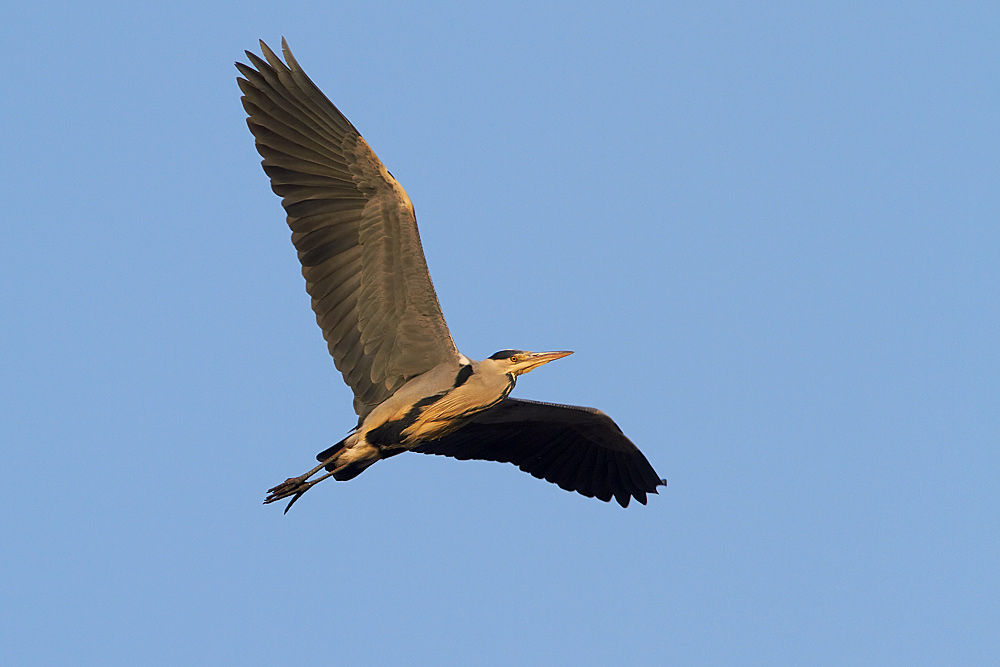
354, 228
580, 449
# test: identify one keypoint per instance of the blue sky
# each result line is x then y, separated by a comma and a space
770, 234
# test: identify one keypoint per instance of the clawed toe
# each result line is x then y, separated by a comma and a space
287, 484
291, 486
295, 486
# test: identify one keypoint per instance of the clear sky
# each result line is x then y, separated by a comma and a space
770, 234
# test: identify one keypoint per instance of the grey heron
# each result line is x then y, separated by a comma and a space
356, 235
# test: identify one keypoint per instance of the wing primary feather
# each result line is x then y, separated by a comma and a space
276, 75
335, 276
638, 482
560, 453
564, 471
621, 481
648, 474
585, 473
602, 487
540, 457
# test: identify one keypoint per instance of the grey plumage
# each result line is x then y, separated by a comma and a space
356, 235
355, 231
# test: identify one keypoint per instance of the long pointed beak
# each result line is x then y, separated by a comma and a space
540, 358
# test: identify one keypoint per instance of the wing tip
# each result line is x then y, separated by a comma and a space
287, 52
641, 496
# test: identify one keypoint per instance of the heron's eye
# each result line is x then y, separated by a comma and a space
515, 359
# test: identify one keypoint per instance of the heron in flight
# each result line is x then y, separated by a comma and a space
356, 235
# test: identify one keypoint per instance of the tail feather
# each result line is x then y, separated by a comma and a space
349, 471
330, 451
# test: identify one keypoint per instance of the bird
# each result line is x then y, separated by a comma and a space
356, 235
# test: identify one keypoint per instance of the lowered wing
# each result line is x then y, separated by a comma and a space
580, 449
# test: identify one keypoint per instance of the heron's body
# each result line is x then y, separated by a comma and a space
427, 407
356, 234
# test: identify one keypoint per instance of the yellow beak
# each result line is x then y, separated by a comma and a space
537, 359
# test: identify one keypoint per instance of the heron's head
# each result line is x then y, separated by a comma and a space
522, 361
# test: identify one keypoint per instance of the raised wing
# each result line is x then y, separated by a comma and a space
580, 449
355, 231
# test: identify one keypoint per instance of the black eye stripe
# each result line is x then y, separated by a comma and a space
505, 354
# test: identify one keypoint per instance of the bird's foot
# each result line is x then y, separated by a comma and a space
296, 486
289, 487
293, 486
